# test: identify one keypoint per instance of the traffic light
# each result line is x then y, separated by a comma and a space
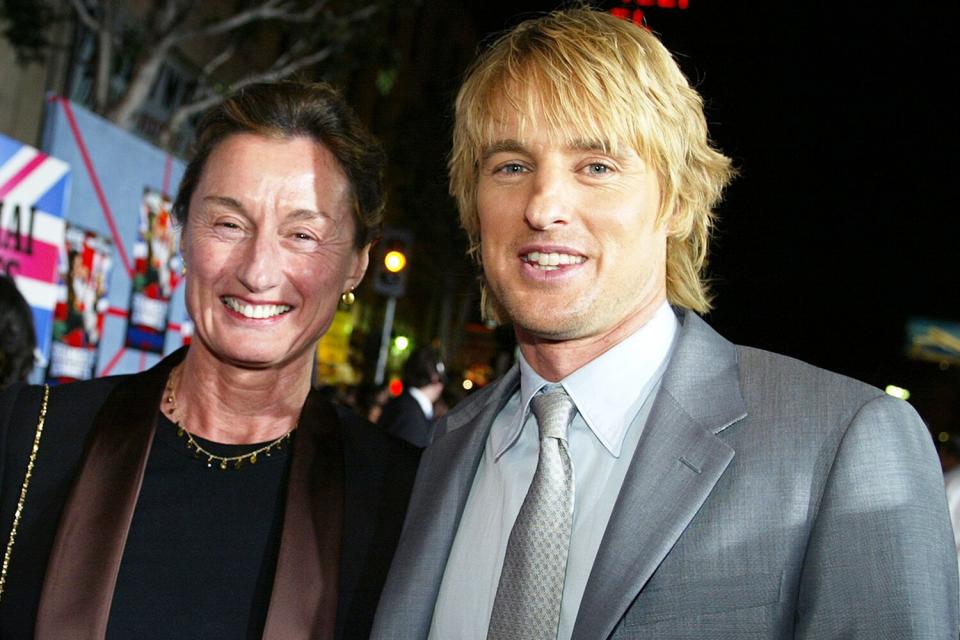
393, 256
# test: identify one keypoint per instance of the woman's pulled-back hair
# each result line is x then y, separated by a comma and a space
296, 109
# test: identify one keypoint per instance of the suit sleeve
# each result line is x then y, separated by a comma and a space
880, 561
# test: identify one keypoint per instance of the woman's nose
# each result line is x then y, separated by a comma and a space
259, 269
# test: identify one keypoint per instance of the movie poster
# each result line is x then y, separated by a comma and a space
81, 307
33, 194
155, 273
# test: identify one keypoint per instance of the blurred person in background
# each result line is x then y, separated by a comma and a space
18, 342
371, 399
217, 495
409, 416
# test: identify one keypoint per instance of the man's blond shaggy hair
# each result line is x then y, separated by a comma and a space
586, 75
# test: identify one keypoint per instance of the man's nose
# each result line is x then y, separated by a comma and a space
550, 199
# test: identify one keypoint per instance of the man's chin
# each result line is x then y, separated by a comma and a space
533, 327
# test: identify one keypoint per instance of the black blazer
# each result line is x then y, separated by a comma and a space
346, 498
403, 418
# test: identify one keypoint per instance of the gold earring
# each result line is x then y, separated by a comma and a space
348, 298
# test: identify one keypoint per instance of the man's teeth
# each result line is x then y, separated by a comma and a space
256, 311
551, 261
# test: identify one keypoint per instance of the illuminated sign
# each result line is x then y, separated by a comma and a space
633, 11
934, 340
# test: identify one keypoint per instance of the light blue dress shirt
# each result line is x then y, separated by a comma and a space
613, 394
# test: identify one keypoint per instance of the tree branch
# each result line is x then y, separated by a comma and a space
210, 98
217, 61
164, 16
278, 72
282, 67
268, 10
85, 17
362, 13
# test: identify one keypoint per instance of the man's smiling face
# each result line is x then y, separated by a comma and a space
571, 246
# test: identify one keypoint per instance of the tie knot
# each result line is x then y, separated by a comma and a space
554, 410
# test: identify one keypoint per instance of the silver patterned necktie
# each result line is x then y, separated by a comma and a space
527, 605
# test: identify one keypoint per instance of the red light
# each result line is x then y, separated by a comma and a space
395, 387
626, 10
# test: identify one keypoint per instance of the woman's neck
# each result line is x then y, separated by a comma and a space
231, 405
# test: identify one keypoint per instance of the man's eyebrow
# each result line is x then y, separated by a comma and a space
515, 146
500, 146
591, 145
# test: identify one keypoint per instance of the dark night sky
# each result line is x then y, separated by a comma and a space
842, 222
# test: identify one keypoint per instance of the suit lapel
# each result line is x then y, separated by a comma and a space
303, 603
441, 490
85, 560
678, 461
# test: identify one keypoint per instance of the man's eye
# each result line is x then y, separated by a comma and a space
228, 225
597, 168
302, 236
511, 168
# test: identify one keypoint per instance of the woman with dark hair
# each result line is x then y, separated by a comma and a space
217, 494
17, 338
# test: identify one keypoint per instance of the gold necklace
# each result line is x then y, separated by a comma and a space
198, 451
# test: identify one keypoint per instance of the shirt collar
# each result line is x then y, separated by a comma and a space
425, 405
610, 389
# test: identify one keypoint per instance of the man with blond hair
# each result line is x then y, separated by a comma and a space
636, 475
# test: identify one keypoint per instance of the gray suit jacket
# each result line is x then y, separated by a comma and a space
766, 499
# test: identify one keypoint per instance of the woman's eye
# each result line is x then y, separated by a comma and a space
302, 236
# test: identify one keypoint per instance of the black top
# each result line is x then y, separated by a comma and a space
202, 539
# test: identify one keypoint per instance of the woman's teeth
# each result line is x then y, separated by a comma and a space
255, 311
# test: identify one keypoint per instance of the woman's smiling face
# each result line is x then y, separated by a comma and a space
269, 249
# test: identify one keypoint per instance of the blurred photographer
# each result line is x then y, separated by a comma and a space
409, 416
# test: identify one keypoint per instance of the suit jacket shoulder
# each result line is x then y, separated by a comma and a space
827, 514
796, 383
